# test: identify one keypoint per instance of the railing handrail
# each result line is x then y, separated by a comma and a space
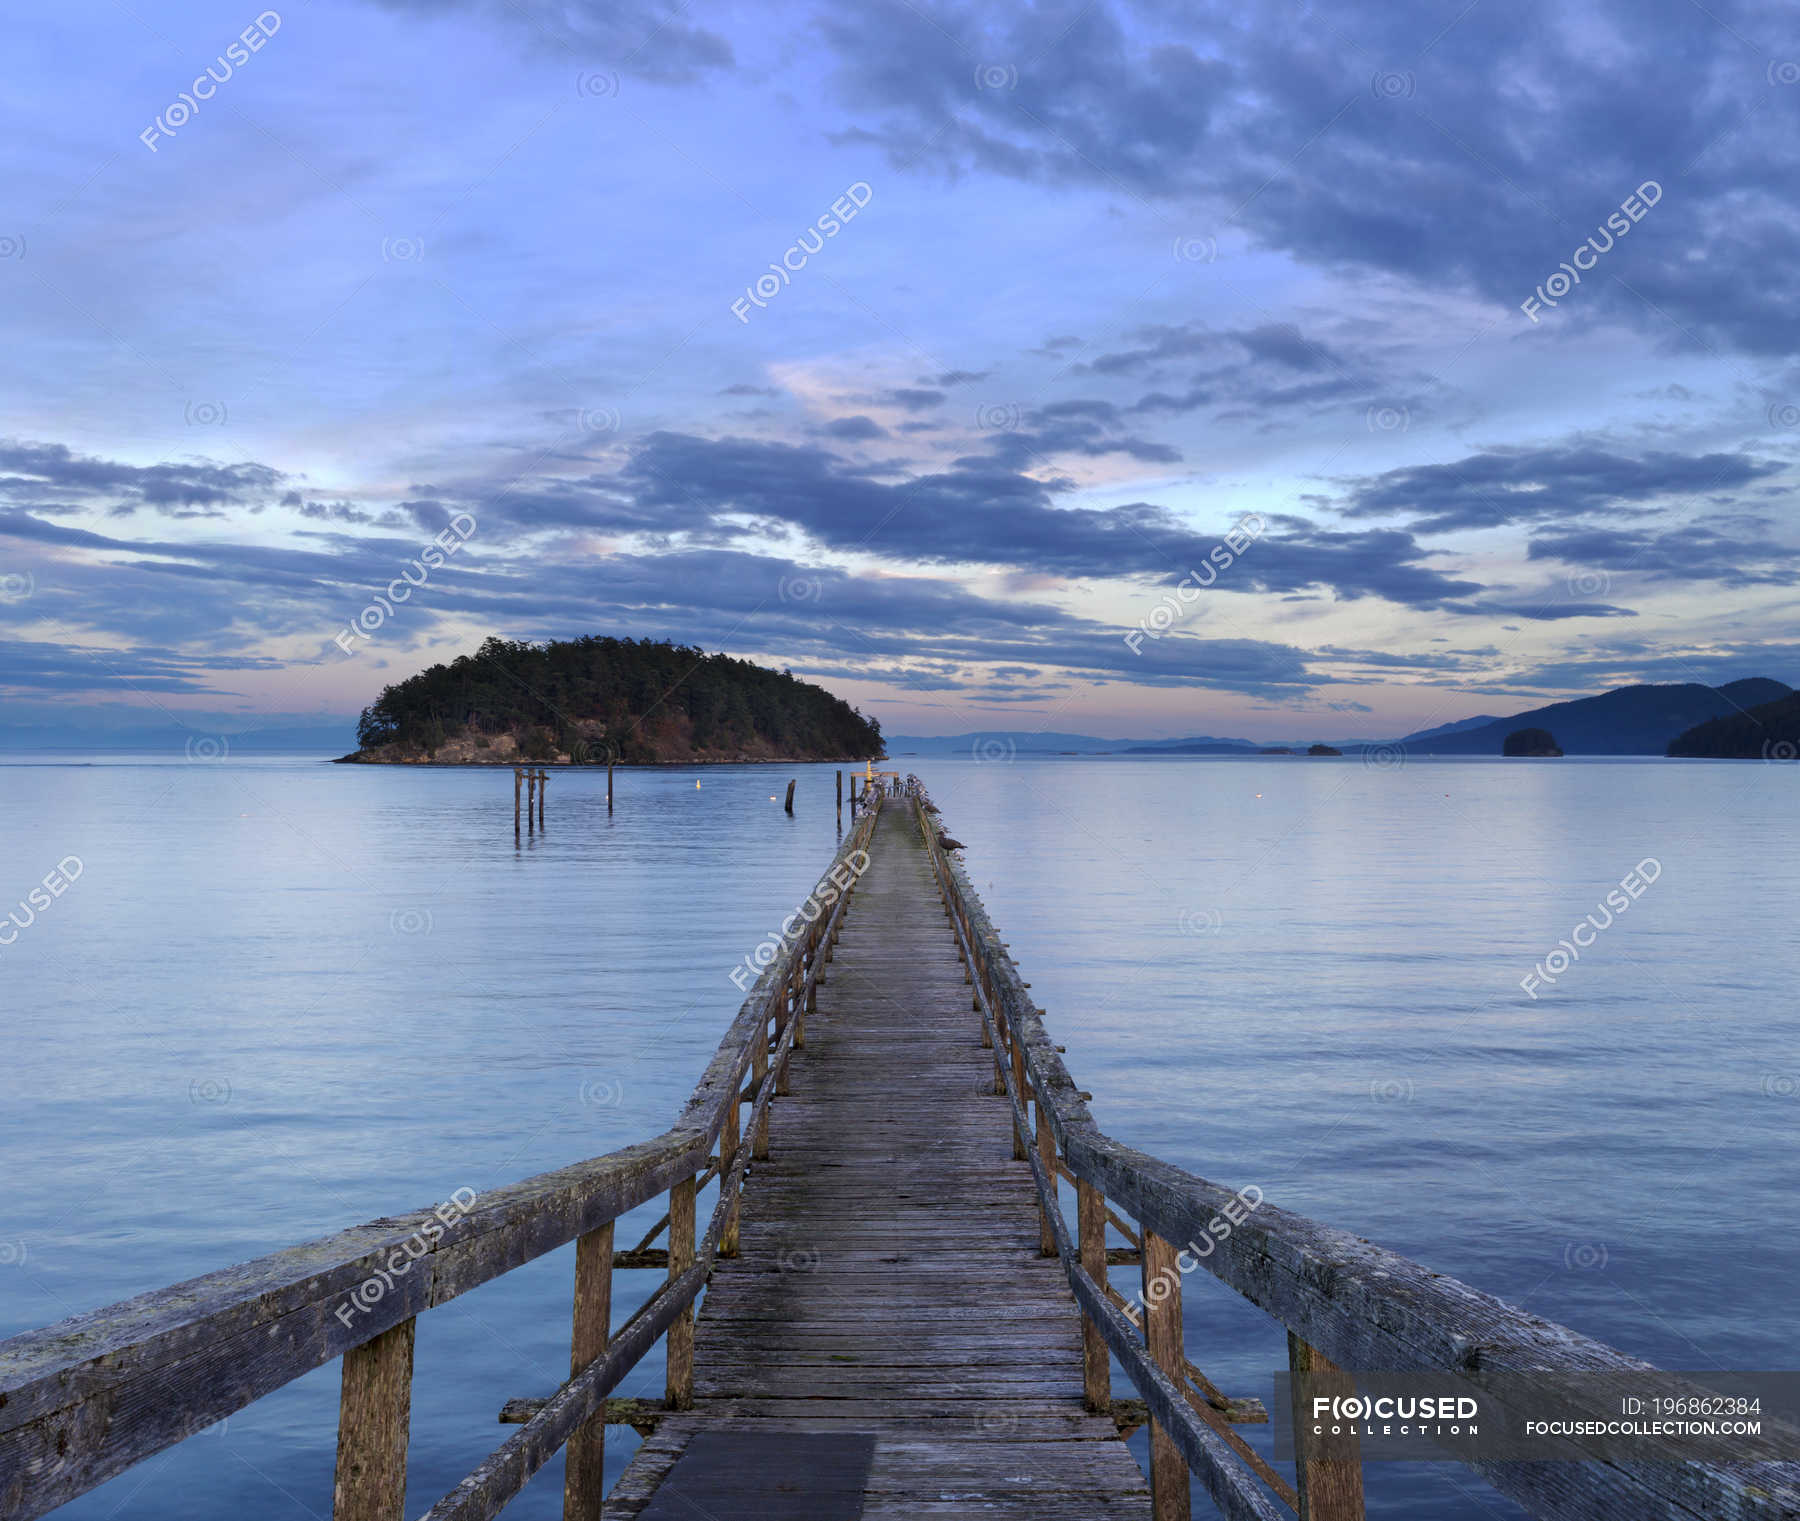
1362, 1306
180, 1358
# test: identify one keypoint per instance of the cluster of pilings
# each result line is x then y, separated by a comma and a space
533, 784
529, 786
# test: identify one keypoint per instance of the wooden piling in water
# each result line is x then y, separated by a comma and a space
530, 800
609, 766
790, 796
518, 782
840, 797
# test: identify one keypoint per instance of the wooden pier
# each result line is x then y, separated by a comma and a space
896, 1316
889, 1281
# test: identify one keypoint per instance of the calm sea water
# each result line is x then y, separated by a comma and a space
283, 997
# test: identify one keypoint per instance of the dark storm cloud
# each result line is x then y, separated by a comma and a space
1502, 486
1471, 144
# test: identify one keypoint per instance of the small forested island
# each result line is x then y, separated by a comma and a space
1770, 731
597, 699
1531, 742
1323, 750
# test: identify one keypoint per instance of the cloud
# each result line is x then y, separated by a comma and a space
647, 38
982, 513
914, 399
53, 478
1695, 552
29, 666
1092, 428
854, 429
1526, 485
1476, 146
1603, 665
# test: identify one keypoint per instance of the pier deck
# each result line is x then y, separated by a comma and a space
889, 1280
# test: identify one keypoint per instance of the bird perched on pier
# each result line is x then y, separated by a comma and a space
946, 843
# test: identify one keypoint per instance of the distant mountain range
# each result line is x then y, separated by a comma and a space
1755, 718
176, 739
994, 743
1626, 721
1770, 731
1635, 720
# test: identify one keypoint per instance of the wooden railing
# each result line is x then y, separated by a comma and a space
1346, 1303
85, 1399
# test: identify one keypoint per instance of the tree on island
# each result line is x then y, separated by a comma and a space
1530, 742
1770, 731
597, 698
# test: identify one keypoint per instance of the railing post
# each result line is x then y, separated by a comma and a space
1046, 1145
1000, 1034
374, 1419
1327, 1469
783, 1013
1169, 1497
728, 1150
759, 1069
681, 1329
1018, 1067
1096, 1361
584, 1471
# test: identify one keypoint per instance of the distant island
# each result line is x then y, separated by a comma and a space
1531, 742
595, 699
1636, 720
1769, 731
1644, 719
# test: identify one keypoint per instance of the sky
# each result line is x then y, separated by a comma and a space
1143, 369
